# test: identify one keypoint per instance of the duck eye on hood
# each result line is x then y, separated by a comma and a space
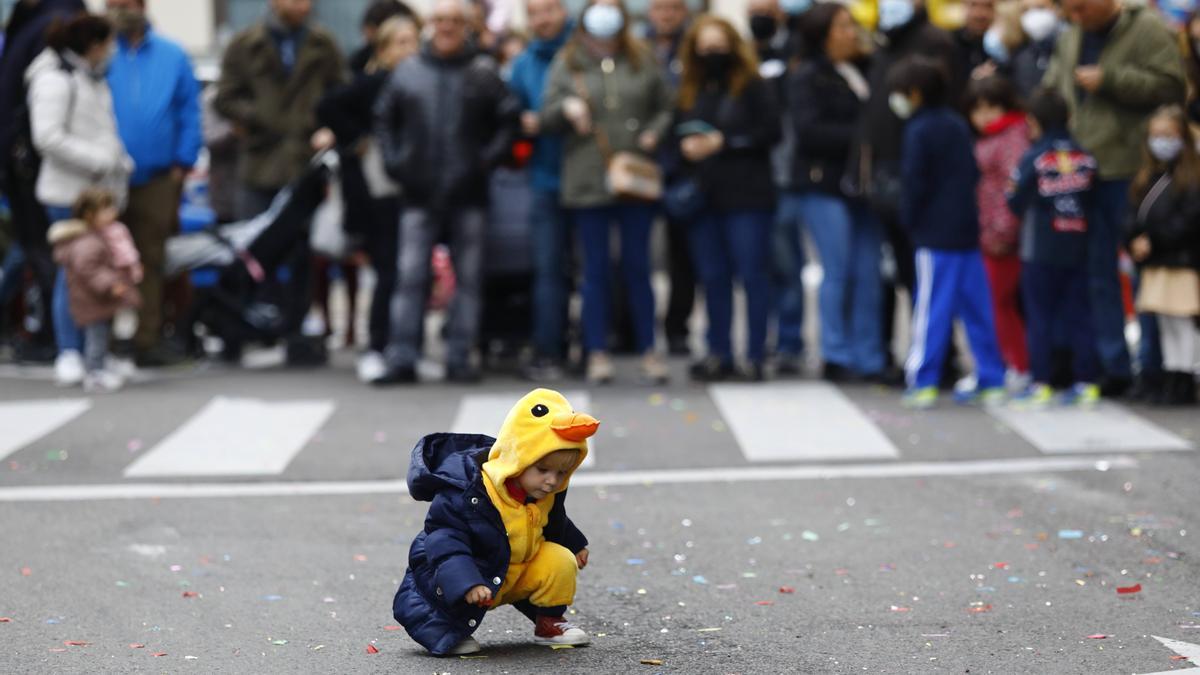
540, 410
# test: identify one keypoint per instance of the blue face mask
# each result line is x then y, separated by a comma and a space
994, 46
795, 7
603, 21
894, 13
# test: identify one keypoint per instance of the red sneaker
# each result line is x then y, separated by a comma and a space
556, 630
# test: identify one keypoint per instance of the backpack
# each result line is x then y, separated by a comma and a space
23, 159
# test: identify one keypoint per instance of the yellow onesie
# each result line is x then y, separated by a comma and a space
540, 423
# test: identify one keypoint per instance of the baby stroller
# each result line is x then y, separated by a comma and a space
251, 277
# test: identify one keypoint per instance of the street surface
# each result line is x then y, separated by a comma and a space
222, 520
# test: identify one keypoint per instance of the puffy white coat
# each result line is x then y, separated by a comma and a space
74, 130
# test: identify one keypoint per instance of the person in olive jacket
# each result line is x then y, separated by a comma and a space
826, 97
726, 123
605, 89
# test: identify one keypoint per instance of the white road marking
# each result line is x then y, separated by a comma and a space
235, 437
1187, 649
1106, 428
738, 474
798, 421
485, 413
24, 422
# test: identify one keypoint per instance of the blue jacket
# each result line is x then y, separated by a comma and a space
528, 82
157, 104
939, 174
463, 544
1052, 194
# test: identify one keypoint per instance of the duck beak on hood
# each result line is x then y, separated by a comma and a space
542, 422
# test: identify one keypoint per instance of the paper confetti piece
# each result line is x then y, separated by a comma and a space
1097, 636
76, 643
980, 609
5, 619
190, 594
136, 645
1125, 590
159, 654
787, 589
1001, 565
372, 649
393, 627
764, 603
1070, 534
556, 647
897, 608
651, 662
707, 630
318, 648
25, 572
358, 557
279, 642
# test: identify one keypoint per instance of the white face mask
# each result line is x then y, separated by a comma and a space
895, 13
900, 105
603, 21
993, 44
1039, 23
1165, 148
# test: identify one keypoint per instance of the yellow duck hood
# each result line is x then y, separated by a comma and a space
540, 423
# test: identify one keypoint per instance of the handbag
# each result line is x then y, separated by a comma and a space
684, 199
628, 175
327, 237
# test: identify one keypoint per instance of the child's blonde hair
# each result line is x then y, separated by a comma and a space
91, 201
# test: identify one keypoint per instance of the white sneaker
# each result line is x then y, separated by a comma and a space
68, 368
126, 369
469, 645
102, 382
371, 367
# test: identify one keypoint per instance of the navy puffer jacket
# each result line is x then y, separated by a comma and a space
463, 544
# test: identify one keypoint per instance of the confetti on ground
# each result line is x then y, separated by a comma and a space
897, 608
279, 642
1097, 636
1070, 534
707, 630
393, 627
979, 609
1126, 590
699, 579
651, 662
358, 557
134, 445
272, 598
190, 594
562, 646
470, 658
76, 643
635, 561
5, 619
136, 645
159, 654
372, 649
318, 648
786, 589
25, 572
764, 603
1001, 565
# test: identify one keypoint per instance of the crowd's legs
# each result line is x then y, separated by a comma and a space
682, 298
1004, 276
382, 241
1108, 312
788, 262
152, 215
1058, 297
548, 224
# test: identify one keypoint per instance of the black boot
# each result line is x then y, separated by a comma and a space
1171, 391
1187, 388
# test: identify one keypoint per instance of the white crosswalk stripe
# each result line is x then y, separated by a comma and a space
798, 421
1106, 427
484, 414
235, 437
24, 422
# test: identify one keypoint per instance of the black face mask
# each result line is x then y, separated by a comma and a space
716, 65
763, 27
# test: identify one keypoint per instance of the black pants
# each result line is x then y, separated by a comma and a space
383, 247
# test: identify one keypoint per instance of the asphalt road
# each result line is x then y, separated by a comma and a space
972, 548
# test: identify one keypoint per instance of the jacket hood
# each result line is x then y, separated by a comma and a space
441, 461
47, 61
66, 230
539, 424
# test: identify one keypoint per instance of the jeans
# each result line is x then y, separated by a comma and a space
97, 345
418, 233
67, 335
849, 240
10, 272
725, 243
1104, 288
1150, 353
1057, 294
548, 221
594, 226
788, 264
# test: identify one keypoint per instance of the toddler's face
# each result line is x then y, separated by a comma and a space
545, 476
104, 217
983, 114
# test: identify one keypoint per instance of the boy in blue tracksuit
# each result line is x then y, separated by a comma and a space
1051, 192
938, 209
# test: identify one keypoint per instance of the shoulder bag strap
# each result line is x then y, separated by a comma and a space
597, 129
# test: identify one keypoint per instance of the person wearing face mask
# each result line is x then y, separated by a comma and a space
972, 40
1163, 235
157, 104
1040, 24
905, 31
1112, 65
725, 125
74, 130
606, 95
939, 212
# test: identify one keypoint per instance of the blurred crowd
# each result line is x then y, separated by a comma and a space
1031, 176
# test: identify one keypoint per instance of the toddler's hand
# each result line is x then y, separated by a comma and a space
582, 558
479, 595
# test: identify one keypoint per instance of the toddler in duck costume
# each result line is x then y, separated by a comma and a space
497, 531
